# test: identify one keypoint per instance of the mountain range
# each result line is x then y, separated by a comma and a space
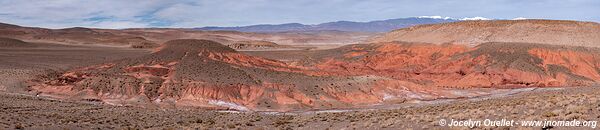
371, 26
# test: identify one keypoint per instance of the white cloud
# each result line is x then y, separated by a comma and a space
71, 13
197, 13
119, 24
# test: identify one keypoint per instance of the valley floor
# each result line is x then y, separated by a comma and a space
23, 111
32, 112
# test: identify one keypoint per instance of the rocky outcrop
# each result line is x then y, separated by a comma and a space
207, 74
253, 45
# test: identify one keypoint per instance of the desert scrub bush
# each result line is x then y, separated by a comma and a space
549, 114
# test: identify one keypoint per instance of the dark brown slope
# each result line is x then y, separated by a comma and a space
78, 35
14, 43
207, 74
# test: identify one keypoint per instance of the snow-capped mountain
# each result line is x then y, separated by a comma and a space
475, 18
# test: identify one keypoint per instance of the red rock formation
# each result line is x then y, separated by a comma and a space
207, 74
580, 63
487, 65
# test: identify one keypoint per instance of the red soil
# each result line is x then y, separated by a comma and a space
207, 74
488, 65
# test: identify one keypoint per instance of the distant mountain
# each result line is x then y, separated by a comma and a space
372, 26
75, 35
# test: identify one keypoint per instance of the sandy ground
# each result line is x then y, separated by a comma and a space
23, 111
22, 64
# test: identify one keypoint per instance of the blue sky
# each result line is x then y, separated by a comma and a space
198, 13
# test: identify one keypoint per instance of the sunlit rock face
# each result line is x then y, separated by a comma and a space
207, 74
495, 65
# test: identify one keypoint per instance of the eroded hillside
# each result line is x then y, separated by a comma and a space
208, 74
497, 65
472, 33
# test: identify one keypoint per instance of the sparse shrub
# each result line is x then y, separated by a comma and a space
281, 121
18, 126
549, 114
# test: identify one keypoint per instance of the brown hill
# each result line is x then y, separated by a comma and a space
152, 37
14, 43
251, 41
554, 32
208, 74
78, 35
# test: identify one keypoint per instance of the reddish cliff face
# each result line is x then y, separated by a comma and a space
207, 74
497, 65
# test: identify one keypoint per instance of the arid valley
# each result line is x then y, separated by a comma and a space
426, 72
377, 82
